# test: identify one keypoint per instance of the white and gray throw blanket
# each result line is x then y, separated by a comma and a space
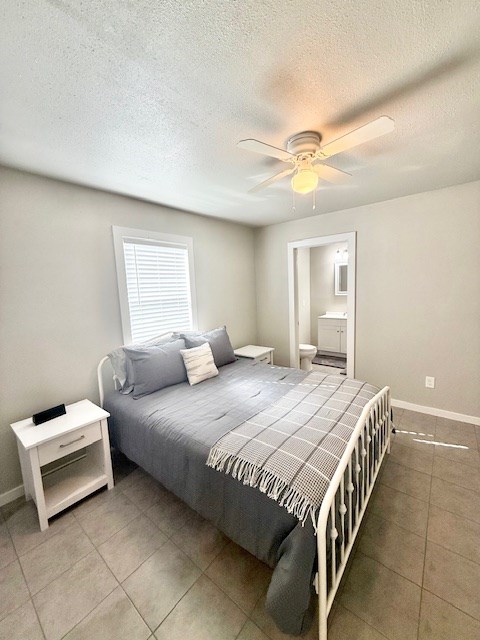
290, 451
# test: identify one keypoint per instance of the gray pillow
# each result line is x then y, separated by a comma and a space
156, 367
122, 366
219, 342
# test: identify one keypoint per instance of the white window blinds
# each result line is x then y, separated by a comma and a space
158, 287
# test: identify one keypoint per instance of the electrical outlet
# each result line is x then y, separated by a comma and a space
430, 382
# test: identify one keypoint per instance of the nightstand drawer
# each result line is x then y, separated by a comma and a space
68, 443
267, 358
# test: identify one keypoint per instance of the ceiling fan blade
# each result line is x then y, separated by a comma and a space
277, 176
330, 174
265, 149
369, 131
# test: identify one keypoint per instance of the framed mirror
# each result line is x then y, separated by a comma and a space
341, 278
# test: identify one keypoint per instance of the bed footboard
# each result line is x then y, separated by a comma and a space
347, 498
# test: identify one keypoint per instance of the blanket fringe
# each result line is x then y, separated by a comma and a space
267, 482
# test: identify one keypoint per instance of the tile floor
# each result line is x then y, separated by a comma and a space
137, 564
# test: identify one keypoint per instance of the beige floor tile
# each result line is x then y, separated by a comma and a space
160, 582
461, 455
50, 559
200, 540
250, 631
456, 499
454, 533
94, 501
144, 492
264, 622
453, 432
102, 523
440, 621
131, 478
414, 483
418, 440
394, 547
25, 530
416, 421
126, 550
418, 460
240, 575
204, 613
460, 474
7, 550
382, 599
453, 578
404, 510
69, 598
169, 513
115, 618
22, 624
13, 588
347, 625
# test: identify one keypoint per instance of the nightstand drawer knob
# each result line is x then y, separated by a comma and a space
67, 444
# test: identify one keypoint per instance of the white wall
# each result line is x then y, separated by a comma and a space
322, 284
418, 292
303, 292
58, 291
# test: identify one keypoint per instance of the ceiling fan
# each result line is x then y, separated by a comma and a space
305, 155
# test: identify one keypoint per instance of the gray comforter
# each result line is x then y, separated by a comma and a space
170, 433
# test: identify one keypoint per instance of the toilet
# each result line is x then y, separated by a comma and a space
307, 354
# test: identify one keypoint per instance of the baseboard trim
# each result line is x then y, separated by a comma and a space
440, 413
10, 496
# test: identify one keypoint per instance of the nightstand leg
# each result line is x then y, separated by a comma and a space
26, 472
37, 488
107, 456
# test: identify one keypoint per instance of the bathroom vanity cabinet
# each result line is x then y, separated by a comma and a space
332, 334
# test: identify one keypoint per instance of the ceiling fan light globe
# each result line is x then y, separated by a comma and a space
304, 181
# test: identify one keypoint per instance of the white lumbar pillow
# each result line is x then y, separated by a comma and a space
199, 363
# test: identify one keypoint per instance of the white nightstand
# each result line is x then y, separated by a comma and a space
260, 354
83, 426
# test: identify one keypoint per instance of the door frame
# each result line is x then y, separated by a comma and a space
351, 239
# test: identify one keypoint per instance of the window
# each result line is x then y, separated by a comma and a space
155, 283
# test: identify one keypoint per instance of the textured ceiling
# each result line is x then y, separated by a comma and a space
149, 98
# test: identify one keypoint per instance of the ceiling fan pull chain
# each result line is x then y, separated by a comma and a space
293, 201
314, 199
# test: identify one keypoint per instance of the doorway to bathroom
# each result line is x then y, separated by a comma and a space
321, 279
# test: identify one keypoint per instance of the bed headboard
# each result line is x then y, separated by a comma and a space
106, 381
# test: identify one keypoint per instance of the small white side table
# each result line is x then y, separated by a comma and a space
83, 426
255, 352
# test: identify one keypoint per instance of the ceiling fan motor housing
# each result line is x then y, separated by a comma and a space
304, 142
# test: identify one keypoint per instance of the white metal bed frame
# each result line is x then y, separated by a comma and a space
360, 464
